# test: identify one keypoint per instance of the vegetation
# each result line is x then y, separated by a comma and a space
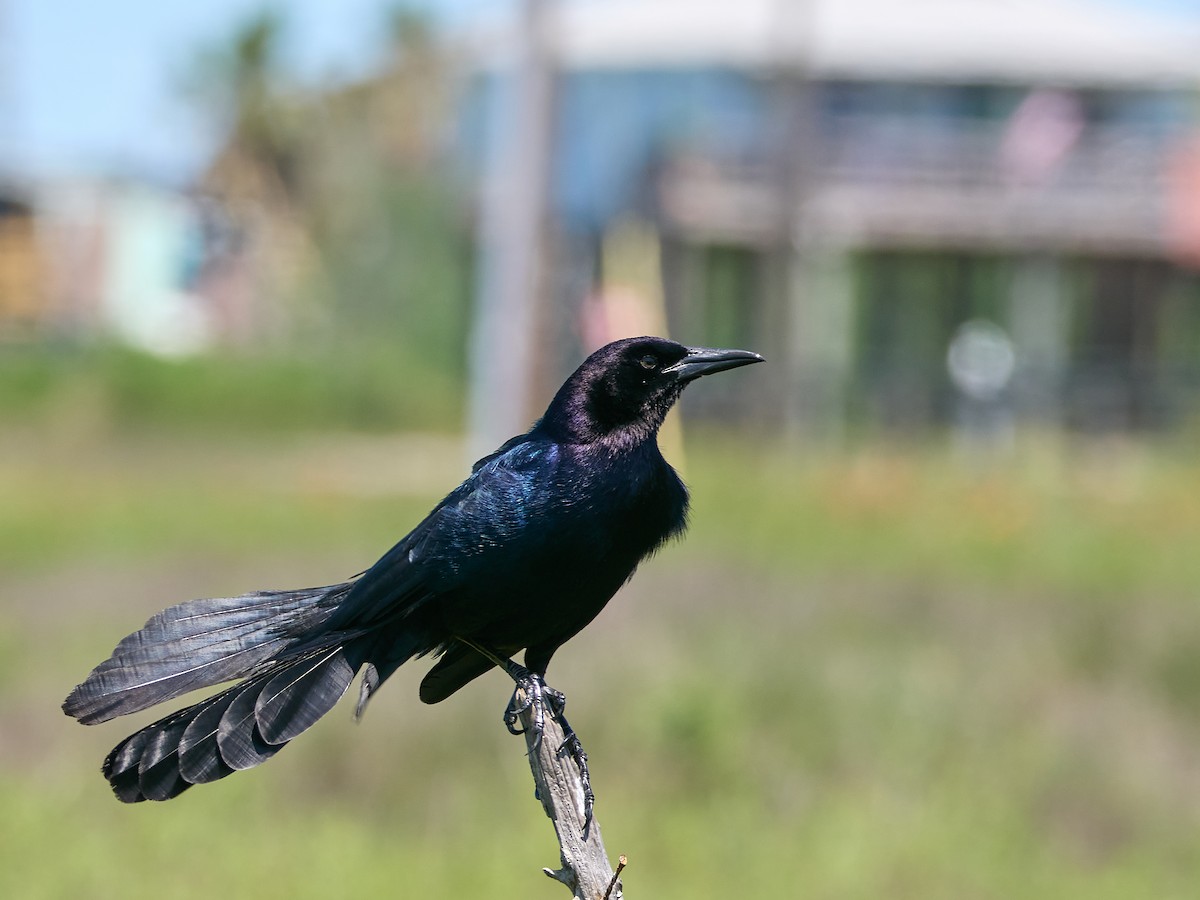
879, 674
357, 384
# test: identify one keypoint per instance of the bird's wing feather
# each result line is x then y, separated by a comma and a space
488, 511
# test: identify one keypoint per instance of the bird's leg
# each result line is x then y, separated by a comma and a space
532, 685
538, 697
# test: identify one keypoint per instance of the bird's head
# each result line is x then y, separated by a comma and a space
627, 387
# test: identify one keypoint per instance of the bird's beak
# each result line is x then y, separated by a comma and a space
704, 361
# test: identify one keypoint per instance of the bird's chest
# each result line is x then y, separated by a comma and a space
574, 543
622, 510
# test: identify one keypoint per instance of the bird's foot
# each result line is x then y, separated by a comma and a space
532, 694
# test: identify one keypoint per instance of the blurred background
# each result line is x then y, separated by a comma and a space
271, 275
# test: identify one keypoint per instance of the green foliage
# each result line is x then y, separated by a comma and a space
1102, 523
348, 197
359, 385
395, 262
240, 78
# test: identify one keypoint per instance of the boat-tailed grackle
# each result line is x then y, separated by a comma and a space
521, 556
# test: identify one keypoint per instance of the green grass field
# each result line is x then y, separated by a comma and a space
873, 675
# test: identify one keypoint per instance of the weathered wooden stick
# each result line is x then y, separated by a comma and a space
585, 867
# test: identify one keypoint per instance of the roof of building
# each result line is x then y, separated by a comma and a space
1068, 42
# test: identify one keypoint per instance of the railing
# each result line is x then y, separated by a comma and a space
973, 154
870, 180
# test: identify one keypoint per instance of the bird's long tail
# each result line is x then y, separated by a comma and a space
295, 670
198, 644
235, 729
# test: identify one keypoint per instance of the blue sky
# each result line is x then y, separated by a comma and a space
93, 85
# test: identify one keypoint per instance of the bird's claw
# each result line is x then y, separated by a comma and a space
532, 693
573, 748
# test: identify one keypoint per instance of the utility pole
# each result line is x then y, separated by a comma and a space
509, 293
789, 282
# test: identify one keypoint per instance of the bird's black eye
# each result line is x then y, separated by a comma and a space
649, 361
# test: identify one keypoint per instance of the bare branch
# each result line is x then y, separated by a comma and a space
585, 867
621, 861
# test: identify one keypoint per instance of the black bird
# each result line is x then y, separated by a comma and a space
521, 556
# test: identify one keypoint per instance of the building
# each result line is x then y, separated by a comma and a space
121, 259
22, 272
844, 184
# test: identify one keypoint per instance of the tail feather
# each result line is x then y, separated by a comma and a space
198, 644
121, 766
240, 743
399, 648
236, 729
295, 665
303, 692
140, 767
158, 769
200, 758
